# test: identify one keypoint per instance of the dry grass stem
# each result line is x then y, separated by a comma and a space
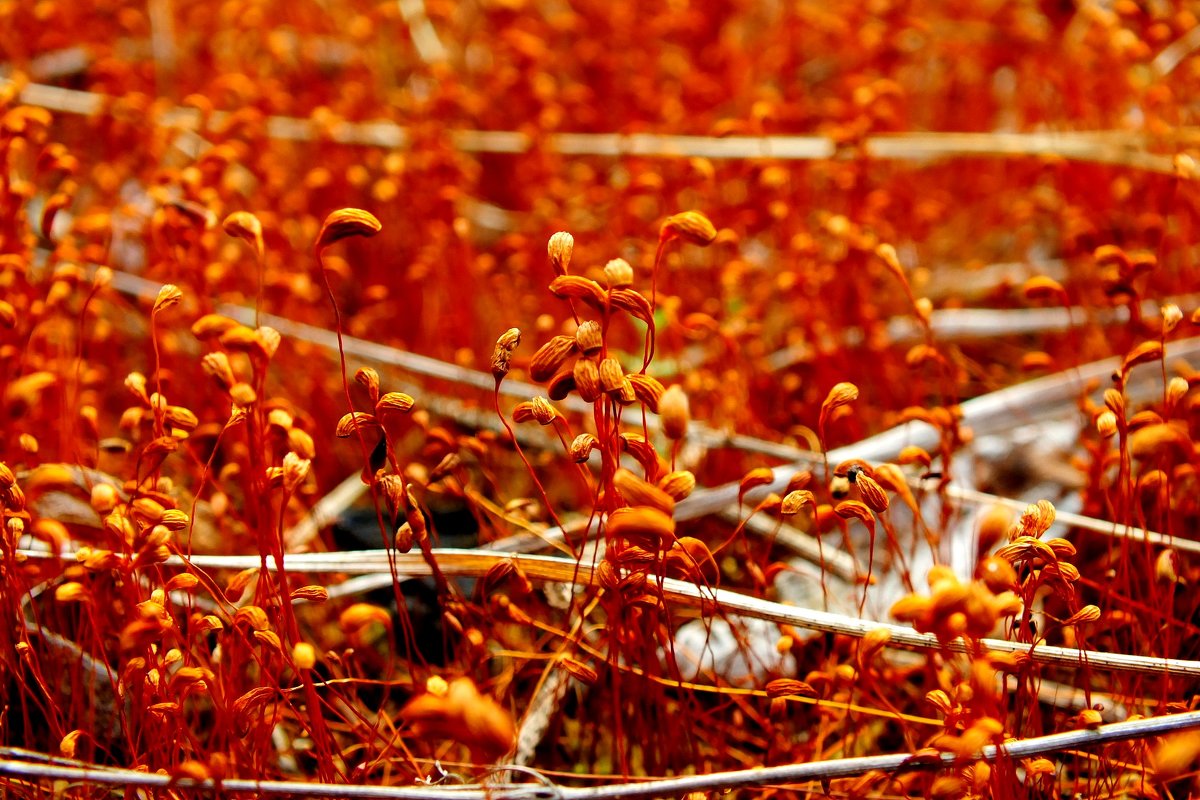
1104, 147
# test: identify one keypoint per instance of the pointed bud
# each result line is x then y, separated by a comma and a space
841, 394
543, 412
576, 287
673, 411
853, 509
1166, 566
789, 687
1177, 387
753, 479
1143, 353
1088, 613
311, 593
295, 470
1043, 287
247, 227
887, 254
642, 521
618, 273
211, 326
217, 366
560, 248
1172, 316
502, 355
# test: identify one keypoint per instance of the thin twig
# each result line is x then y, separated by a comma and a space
848, 767
425, 366
1123, 148
40, 767
985, 414
978, 323
1173, 54
1078, 520
162, 41
805, 545
476, 563
60, 63
424, 36
326, 510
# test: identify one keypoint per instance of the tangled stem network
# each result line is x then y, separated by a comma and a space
423, 399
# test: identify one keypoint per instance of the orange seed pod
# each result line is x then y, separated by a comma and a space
168, 296
618, 273
690, 225
1043, 287
550, 357
247, 227
647, 390
872, 493
589, 337
1171, 316
354, 421
575, 287
673, 411
560, 248
795, 500
582, 447
611, 375
347, 222
638, 492
394, 403
678, 484
753, 479
639, 522
789, 687
587, 380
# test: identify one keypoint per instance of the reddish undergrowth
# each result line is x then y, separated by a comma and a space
332, 288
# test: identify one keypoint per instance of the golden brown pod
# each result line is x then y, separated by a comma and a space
247, 227
648, 390
550, 356
346, 222
678, 484
611, 375
589, 337
638, 492
587, 380
641, 522
575, 287
560, 248
673, 411
690, 225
